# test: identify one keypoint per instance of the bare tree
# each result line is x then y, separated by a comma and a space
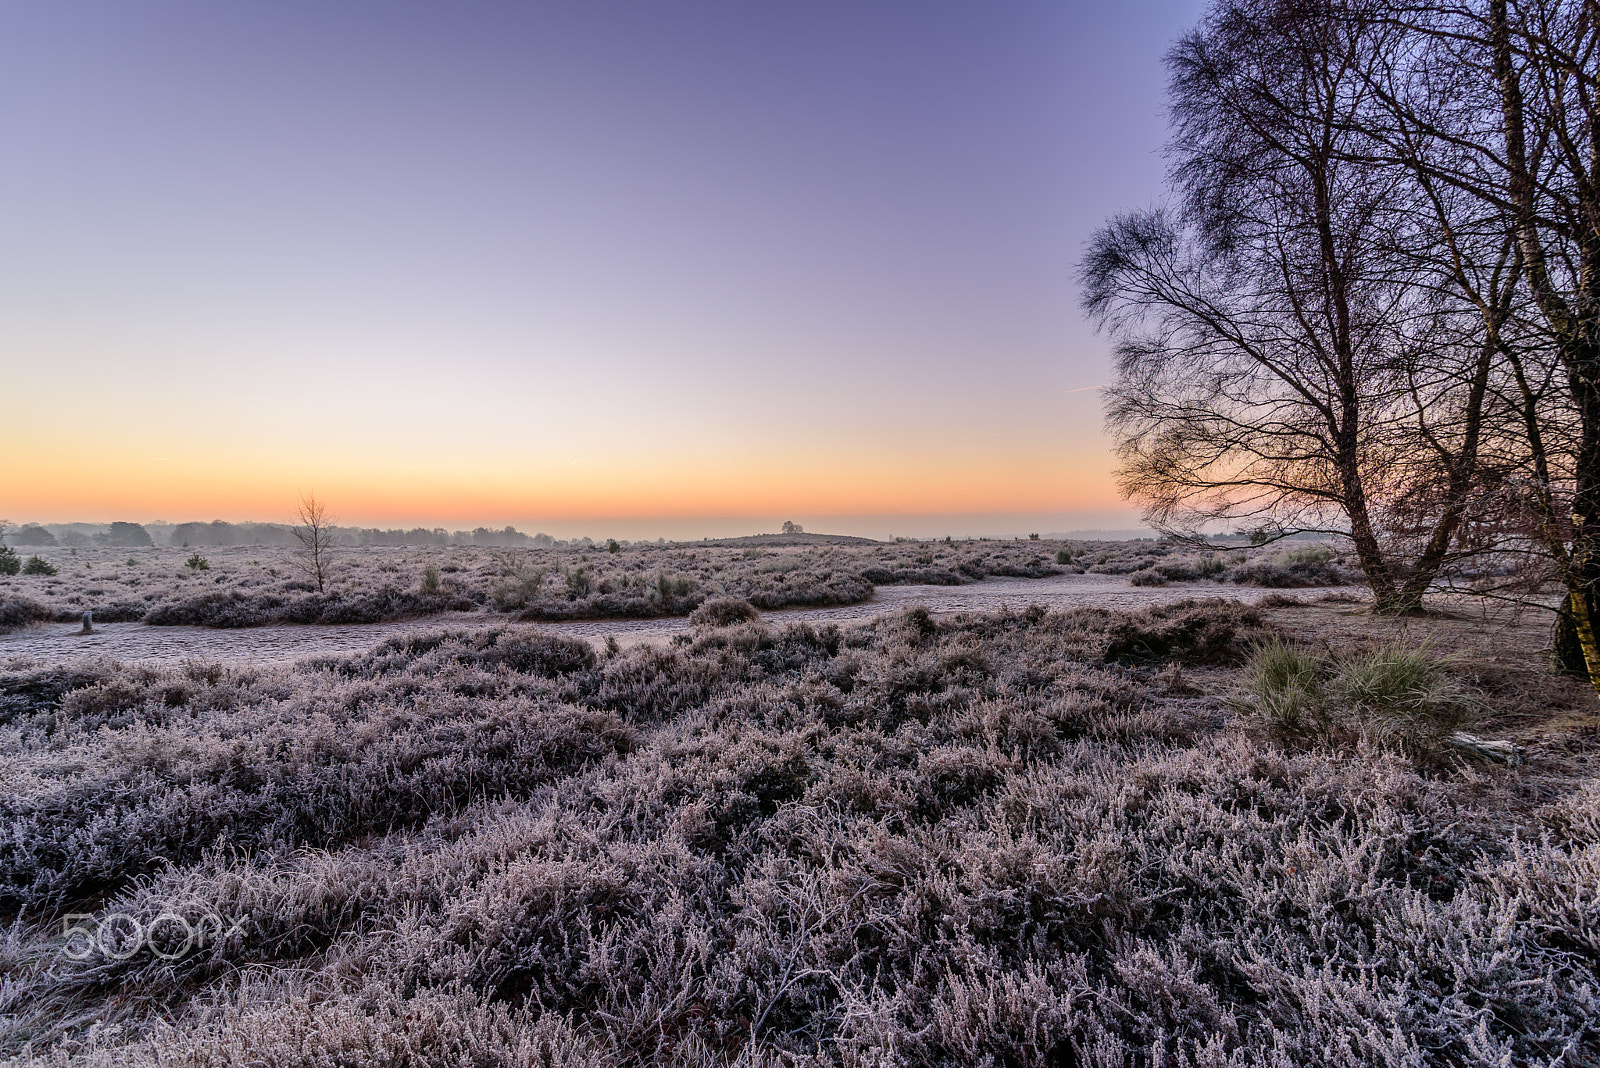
1496, 104
1286, 358
314, 532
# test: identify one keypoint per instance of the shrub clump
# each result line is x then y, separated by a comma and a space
1311, 566
115, 612
38, 565
515, 590
1210, 631
724, 612
1148, 576
18, 612
236, 609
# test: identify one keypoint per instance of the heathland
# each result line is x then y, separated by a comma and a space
1203, 833
248, 586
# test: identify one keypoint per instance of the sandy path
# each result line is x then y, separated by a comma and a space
135, 642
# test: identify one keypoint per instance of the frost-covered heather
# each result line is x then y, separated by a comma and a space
252, 585
1021, 839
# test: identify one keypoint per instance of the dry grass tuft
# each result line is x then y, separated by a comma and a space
1393, 695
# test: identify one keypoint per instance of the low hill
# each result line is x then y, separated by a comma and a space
786, 539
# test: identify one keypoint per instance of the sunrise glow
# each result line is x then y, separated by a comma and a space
548, 270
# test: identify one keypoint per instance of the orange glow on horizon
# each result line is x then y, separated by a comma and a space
86, 483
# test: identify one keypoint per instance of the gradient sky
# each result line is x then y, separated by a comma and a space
566, 264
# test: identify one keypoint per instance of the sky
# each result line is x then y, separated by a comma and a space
655, 267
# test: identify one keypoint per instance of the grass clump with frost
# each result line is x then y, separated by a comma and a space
1393, 695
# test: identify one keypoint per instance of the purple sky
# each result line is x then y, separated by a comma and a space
658, 244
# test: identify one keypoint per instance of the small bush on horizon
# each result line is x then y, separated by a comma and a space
196, 562
38, 565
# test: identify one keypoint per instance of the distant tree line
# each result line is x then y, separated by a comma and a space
116, 535
220, 534
1371, 306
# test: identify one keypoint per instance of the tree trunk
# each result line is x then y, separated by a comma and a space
1463, 471
1566, 650
1574, 646
1572, 329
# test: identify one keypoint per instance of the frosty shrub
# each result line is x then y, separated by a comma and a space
988, 840
1283, 689
1193, 631
1148, 576
17, 612
515, 591
1313, 565
723, 612
1405, 696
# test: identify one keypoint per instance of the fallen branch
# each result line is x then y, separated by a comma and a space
1484, 749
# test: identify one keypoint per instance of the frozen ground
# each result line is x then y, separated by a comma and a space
137, 642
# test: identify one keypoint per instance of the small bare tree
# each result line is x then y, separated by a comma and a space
315, 535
